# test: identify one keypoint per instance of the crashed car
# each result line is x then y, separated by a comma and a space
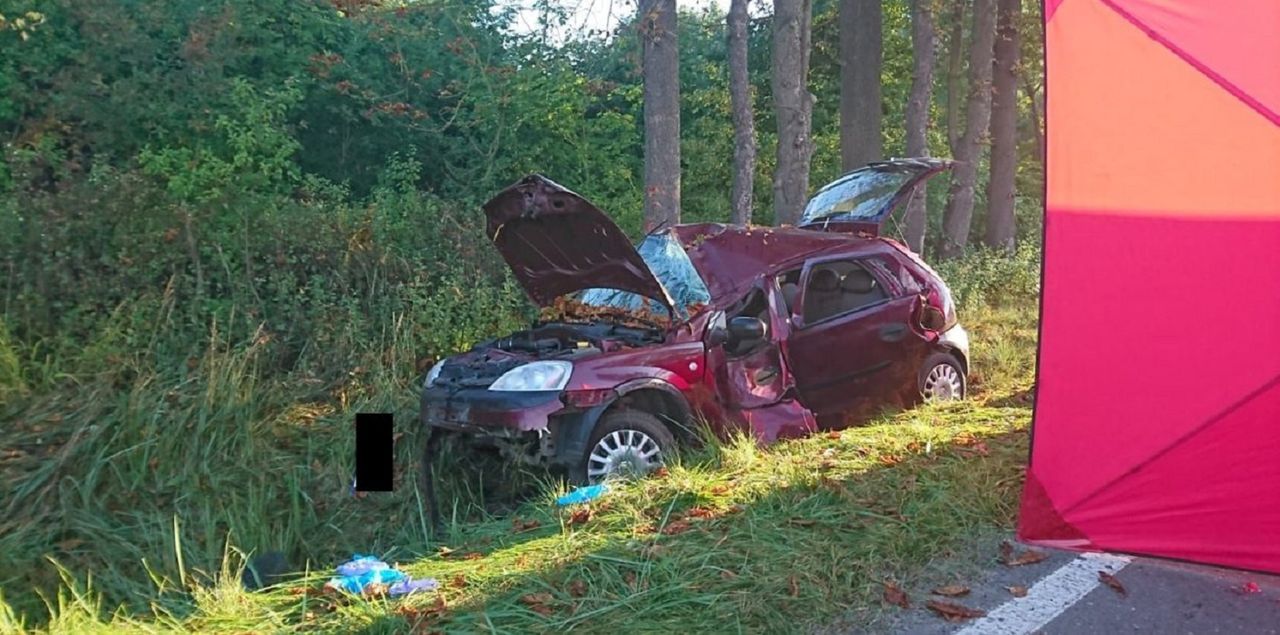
776, 331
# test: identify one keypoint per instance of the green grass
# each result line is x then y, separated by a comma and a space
132, 507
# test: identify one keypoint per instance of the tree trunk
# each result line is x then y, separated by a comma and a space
861, 54
955, 75
922, 45
744, 127
959, 213
794, 103
1001, 222
1037, 129
660, 61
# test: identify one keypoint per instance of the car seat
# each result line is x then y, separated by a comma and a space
858, 289
822, 297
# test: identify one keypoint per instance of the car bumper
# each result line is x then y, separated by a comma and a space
957, 338
485, 411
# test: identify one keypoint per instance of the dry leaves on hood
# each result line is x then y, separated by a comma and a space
952, 612
952, 590
1111, 581
1030, 556
1017, 591
893, 594
539, 603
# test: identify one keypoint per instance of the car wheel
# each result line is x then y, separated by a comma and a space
942, 378
626, 443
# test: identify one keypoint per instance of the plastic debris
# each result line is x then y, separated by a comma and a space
362, 572
582, 495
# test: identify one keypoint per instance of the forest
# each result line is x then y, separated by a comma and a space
228, 225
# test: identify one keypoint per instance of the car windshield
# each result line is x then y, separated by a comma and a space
671, 266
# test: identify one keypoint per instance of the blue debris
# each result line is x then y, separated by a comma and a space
582, 495
357, 574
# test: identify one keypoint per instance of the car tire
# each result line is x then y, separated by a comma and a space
942, 378
625, 440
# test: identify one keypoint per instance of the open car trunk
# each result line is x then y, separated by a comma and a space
860, 201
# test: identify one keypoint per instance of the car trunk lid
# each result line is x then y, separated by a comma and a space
556, 243
860, 201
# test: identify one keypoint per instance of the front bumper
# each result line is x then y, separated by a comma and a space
534, 425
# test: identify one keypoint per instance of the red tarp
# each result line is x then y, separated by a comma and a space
1157, 424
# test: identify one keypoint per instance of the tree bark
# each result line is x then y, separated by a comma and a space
744, 127
660, 62
792, 20
1037, 128
958, 215
955, 75
1001, 188
922, 48
861, 57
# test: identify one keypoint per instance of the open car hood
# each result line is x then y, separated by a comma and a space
860, 201
557, 243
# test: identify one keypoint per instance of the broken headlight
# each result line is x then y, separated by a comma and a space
546, 375
433, 374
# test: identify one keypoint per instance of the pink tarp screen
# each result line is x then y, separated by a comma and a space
1157, 424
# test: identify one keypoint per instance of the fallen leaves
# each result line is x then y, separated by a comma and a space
577, 588
539, 603
953, 612
802, 522
676, 527
1111, 581
519, 525
1012, 559
1017, 591
952, 590
793, 587
893, 594
720, 490
1249, 588
580, 516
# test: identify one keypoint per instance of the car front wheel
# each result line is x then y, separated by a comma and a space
626, 443
942, 378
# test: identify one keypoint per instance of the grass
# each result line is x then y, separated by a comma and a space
133, 508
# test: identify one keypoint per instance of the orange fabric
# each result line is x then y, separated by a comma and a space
1136, 137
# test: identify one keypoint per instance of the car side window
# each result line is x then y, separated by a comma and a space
839, 287
789, 285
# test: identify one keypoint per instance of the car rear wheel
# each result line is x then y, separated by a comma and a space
626, 443
942, 378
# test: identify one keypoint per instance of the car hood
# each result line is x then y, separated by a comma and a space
556, 243
861, 200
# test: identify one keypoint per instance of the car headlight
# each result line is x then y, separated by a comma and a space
433, 374
535, 376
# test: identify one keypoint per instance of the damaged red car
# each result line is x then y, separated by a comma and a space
777, 331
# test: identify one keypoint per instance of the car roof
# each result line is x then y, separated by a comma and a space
731, 258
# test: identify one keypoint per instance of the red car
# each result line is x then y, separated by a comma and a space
778, 331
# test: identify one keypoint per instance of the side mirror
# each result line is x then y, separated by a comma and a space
745, 328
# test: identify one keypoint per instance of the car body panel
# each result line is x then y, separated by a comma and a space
556, 243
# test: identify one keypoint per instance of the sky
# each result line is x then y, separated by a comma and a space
592, 15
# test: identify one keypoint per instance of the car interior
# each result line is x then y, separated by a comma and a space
836, 288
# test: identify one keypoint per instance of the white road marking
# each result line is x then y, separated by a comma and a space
1048, 598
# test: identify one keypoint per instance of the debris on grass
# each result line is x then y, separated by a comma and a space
518, 525
539, 603
893, 594
577, 588
953, 612
582, 495
580, 516
952, 590
1111, 581
371, 577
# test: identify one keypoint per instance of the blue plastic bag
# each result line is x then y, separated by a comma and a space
582, 495
357, 574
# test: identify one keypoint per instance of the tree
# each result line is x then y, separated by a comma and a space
959, 212
861, 54
1001, 229
955, 74
661, 76
744, 130
922, 47
792, 21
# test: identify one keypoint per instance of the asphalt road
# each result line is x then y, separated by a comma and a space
1065, 596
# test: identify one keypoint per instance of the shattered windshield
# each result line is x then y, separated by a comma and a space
671, 266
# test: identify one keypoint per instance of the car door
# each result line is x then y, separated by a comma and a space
852, 344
